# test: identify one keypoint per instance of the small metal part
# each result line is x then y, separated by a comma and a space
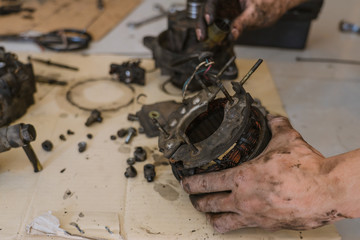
62, 137
131, 133
108, 229
157, 124
129, 72
32, 157
77, 227
69, 132
89, 136
51, 63
63, 170
132, 117
251, 71
140, 154
349, 27
130, 161
149, 172
122, 132
100, 4
130, 172
47, 145
50, 81
82, 146
95, 116
113, 137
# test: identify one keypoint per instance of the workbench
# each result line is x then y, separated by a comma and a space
90, 188
321, 101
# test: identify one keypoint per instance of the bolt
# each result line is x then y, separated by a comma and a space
95, 116
47, 145
140, 154
132, 117
130, 161
149, 172
81, 146
122, 132
131, 133
130, 172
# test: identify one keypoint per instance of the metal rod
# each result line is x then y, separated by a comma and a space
231, 60
328, 60
51, 63
251, 71
161, 128
32, 157
225, 92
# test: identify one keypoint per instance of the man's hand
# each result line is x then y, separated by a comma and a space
243, 14
287, 187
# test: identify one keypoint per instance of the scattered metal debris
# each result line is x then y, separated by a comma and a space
132, 117
67, 194
139, 96
122, 132
131, 133
77, 227
129, 72
140, 154
95, 116
130, 161
62, 137
69, 132
177, 51
209, 134
349, 27
130, 172
89, 136
113, 137
108, 229
63, 170
81, 215
149, 172
47, 145
51, 63
20, 135
50, 81
82, 146
17, 87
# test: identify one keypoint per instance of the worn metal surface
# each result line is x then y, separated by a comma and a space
17, 87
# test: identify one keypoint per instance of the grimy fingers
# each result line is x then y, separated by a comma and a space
210, 182
210, 11
279, 125
225, 222
241, 22
213, 202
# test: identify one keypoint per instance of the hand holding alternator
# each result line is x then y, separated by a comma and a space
282, 188
243, 14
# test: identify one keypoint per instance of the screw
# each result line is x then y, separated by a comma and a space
95, 116
131, 133
132, 117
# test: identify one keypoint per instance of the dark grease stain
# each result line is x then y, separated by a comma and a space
328, 165
166, 191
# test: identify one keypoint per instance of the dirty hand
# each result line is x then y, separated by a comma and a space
286, 187
243, 14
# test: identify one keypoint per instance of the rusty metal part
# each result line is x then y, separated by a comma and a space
130, 161
20, 135
17, 87
129, 72
130, 172
82, 146
149, 172
160, 111
122, 132
62, 137
140, 154
176, 51
131, 133
208, 133
47, 145
94, 117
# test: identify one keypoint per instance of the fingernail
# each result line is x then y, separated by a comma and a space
207, 18
270, 117
193, 200
235, 33
198, 34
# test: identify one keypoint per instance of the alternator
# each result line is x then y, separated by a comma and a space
209, 134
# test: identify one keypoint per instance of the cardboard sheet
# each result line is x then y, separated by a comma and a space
51, 15
89, 188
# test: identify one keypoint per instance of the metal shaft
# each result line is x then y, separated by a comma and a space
251, 71
32, 157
